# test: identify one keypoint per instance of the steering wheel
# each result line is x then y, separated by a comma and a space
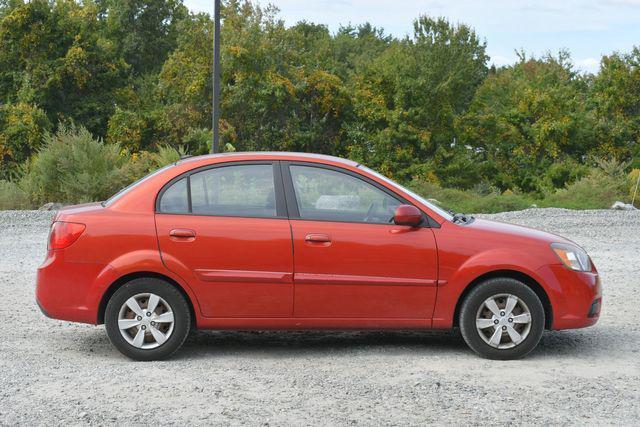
370, 211
385, 207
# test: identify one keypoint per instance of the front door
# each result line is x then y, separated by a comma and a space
224, 230
350, 260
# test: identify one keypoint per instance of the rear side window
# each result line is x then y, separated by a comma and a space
242, 190
176, 198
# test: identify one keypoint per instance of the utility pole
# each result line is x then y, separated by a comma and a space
216, 77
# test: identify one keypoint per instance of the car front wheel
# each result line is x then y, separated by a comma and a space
147, 319
502, 319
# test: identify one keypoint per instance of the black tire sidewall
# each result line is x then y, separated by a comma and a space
490, 288
181, 314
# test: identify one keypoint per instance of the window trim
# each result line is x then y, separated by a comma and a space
292, 202
281, 208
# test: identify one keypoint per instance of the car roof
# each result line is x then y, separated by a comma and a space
269, 155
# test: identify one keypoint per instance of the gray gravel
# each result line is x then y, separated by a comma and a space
54, 372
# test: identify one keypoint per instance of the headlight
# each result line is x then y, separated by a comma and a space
572, 256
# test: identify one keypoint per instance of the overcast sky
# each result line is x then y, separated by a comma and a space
587, 28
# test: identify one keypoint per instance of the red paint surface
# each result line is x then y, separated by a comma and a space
252, 273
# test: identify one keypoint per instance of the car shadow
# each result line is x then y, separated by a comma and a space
278, 343
430, 343
205, 343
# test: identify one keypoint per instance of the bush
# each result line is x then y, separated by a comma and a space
598, 190
72, 167
198, 141
634, 190
566, 172
145, 162
166, 155
12, 196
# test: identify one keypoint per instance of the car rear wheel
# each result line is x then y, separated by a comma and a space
147, 319
502, 319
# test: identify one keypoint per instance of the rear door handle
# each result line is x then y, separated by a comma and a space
317, 238
184, 233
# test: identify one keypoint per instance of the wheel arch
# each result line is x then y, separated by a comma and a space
113, 287
511, 274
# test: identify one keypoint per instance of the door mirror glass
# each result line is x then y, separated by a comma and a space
407, 215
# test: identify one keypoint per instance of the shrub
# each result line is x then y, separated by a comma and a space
598, 190
634, 177
566, 172
12, 196
145, 162
166, 155
73, 167
198, 141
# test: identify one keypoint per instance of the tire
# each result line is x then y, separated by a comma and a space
514, 337
151, 335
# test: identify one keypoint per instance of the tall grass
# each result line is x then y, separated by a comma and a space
12, 196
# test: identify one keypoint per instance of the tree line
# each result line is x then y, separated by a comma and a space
137, 75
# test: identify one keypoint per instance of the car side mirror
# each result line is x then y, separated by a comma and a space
408, 215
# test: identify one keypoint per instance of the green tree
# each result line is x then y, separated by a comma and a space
407, 99
143, 31
525, 117
22, 130
54, 54
615, 96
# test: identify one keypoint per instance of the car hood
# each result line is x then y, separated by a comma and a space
516, 231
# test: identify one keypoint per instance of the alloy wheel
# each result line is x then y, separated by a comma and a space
503, 321
146, 321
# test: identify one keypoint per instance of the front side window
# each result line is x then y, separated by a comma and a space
242, 190
437, 209
328, 195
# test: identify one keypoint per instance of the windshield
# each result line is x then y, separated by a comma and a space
419, 198
125, 190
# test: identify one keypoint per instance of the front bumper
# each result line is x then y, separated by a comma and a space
70, 290
576, 297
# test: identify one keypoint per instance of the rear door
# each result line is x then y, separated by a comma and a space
224, 230
350, 260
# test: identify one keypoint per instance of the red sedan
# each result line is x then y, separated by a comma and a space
300, 241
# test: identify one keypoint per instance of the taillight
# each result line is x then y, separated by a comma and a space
63, 234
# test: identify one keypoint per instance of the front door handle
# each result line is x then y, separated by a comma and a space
183, 233
317, 238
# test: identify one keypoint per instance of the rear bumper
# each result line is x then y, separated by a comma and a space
70, 290
576, 297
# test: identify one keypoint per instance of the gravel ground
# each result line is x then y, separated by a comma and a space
54, 372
